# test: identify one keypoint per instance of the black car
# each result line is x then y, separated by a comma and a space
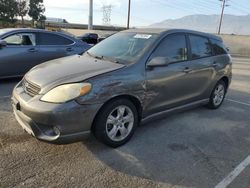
90, 38
101, 38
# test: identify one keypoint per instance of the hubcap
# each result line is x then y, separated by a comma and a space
219, 93
119, 123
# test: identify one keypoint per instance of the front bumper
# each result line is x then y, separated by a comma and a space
57, 123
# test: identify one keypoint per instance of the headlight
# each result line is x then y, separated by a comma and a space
66, 92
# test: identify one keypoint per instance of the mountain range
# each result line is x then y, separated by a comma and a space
232, 24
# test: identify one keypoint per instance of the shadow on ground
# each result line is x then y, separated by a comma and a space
193, 148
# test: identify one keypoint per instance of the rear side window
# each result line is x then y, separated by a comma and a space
218, 47
173, 47
21, 39
53, 39
200, 47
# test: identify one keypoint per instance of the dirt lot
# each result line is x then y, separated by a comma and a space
196, 148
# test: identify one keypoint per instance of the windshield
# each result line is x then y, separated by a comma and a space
128, 47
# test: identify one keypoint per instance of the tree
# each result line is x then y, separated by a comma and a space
22, 9
8, 11
36, 10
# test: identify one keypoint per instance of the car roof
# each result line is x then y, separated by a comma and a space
21, 29
10, 30
7, 31
162, 31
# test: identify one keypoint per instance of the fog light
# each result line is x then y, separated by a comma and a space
56, 130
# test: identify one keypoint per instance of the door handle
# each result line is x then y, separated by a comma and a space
32, 50
69, 49
215, 64
187, 70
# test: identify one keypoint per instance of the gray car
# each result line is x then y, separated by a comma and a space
130, 77
22, 49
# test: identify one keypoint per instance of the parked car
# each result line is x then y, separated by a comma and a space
102, 37
130, 77
22, 49
90, 38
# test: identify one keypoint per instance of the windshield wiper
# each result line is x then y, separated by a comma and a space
95, 56
110, 59
104, 58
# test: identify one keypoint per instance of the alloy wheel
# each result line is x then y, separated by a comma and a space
119, 123
219, 93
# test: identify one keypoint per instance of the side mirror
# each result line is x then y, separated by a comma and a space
3, 43
158, 62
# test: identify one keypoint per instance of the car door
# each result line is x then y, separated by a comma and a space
202, 67
168, 86
19, 55
53, 46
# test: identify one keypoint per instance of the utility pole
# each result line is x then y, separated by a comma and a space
221, 16
90, 26
128, 22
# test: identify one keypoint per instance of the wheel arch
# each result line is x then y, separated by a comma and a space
225, 79
131, 98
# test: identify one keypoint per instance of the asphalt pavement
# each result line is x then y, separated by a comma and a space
195, 148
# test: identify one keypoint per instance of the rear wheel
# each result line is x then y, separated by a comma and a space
116, 122
217, 95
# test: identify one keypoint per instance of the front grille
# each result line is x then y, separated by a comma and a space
30, 88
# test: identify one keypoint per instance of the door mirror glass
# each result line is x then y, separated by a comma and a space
3, 43
158, 61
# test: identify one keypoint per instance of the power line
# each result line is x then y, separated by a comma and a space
132, 16
70, 9
172, 5
198, 7
240, 7
208, 4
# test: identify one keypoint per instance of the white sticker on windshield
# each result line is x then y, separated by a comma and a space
142, 36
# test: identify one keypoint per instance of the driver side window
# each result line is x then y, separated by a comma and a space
173, 47
21, 39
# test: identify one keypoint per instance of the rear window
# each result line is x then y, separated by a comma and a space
218, 47
53, 39
200, 47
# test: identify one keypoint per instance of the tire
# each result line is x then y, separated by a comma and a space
115, 124
219, 91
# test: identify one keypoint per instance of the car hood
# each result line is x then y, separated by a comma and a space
67, 70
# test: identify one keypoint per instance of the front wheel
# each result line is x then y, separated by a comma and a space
217, 96
116, 122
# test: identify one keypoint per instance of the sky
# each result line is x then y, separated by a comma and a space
143, 12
